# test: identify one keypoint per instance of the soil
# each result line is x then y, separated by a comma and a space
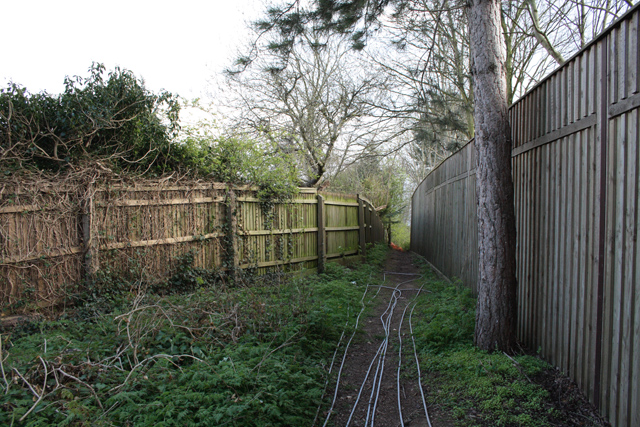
400, 278
360, 384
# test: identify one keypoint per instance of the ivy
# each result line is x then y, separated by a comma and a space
207, 355
108, 117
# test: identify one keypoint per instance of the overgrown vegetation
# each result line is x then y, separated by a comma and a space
401, 235
251, 355
109, 117
233, 157
476, 387
109, 124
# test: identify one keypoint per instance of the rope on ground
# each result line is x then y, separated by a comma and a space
381, 349
400, 364
344, 356
366, 376
395, 297
415, 353
380, 355
419, 290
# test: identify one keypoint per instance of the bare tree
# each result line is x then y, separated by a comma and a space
317, 103
432, 59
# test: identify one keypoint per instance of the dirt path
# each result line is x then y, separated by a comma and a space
372, 381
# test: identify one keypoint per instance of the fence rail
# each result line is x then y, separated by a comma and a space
52, 239
577, 183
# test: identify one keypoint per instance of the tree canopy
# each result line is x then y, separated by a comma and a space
423, 49
316, 104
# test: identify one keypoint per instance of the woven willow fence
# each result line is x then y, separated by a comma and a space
53, 238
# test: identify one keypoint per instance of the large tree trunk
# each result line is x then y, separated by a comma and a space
496, 309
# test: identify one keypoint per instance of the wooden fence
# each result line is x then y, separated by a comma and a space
52, 238
577, 183
443, 217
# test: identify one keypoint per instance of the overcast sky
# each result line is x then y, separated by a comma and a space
175, 45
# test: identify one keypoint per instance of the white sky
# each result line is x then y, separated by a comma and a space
176, 45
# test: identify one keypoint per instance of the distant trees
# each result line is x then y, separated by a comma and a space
443, 68
316, 103
381, 180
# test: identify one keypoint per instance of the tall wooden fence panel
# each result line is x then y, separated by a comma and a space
443, 219
52, 239
577, 184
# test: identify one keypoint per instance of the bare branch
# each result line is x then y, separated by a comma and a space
540, 35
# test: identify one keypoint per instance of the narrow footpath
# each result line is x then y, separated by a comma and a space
379, 382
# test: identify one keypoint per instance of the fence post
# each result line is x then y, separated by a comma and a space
322, 248
363, 240
89, 240
603, 127
232, 234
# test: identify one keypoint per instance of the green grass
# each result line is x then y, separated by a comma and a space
212, 355
477, 388
401, 235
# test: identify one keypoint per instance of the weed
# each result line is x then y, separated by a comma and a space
489, 387
187, 354
478, 388
448, 314
377, 254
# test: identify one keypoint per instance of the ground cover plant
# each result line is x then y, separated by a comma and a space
486, 389
255, 354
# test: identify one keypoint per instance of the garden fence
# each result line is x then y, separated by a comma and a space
54, 237
577, 183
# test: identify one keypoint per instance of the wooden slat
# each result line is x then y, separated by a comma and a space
624, 106
338, 203
160, 202
627, 137
261, 264
26, 208
167, 241
276, 232
54, 253
350, 228
577, 281
634, 377
293, 201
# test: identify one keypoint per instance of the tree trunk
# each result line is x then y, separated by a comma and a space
496, 309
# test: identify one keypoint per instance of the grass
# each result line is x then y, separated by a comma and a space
401, 235
199, 352
210, 354
477, 388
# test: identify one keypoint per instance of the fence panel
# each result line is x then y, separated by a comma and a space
341, 224
139, 229
446, 194
40, 237
52, 239
577, 183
